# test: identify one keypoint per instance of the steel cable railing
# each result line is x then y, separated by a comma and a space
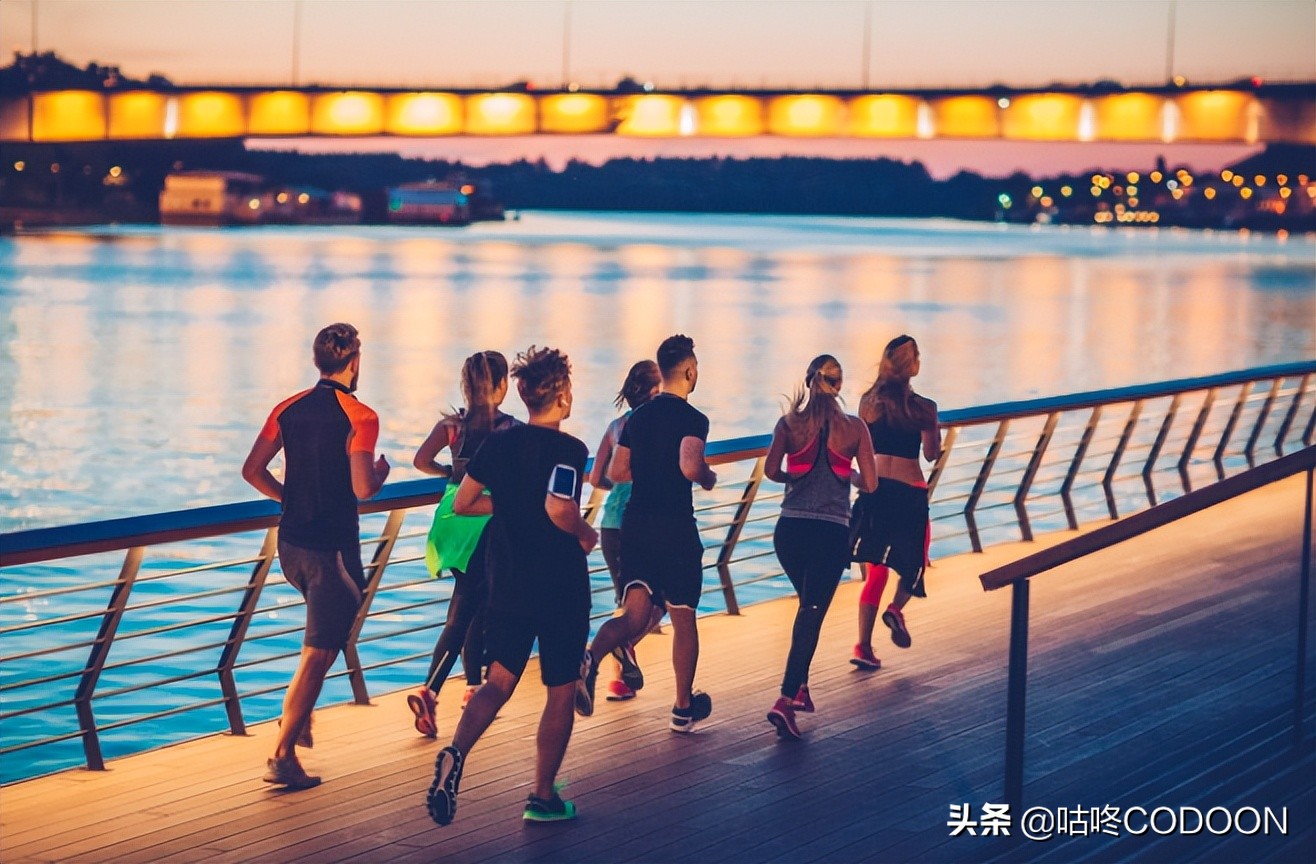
1006, 471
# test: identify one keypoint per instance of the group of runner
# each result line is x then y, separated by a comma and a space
510, 529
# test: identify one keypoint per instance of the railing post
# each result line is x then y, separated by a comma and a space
378, 563
1225, 434
1304, 600
1262, 415
1016, 699
1292, 414
1026, 482
939, 468
238, 632
981, 483
733, 536
592, 507
91, 673
1107, 482
1077, 462
1200, 423
1150, 465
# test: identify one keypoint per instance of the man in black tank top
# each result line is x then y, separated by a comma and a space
661, 452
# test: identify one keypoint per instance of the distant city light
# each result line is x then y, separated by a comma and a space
1047, 201
1238, 180
1209, 193
254, 203
1285, 192
1003, 102
1066, 190
1282, 179
1245, 193
1260, 179
116, 171
1226, 175
20, 165
282, 197
1037, 191
1096, 191
1156, 176
1177, 193
1133, 201
1171, 185
54, 168
303, 198
1132, 177
1132, 190
1180, 81
1004, 200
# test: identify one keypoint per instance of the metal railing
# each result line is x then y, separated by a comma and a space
1006, 471
1018, 574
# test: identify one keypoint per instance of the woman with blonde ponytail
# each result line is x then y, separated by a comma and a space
456, 542
889, 529
819, 442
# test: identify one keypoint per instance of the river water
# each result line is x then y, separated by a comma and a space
137, 364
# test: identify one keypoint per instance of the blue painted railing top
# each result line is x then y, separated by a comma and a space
40, 544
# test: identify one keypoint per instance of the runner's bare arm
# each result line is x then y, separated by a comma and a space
368, 473
776, 453
470, 499
256, 470
565, 514
866, 477
440, 436
598, 475
693, 465
619, 469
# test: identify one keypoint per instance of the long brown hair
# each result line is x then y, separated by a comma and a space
816, 402
891, 398
639, 384
482, 373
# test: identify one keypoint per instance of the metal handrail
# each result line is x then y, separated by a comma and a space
1017, 575
996, 460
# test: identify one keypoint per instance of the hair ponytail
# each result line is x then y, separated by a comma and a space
816, 402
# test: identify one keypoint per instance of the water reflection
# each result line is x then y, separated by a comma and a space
137, 364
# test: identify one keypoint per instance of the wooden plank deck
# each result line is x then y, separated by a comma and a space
1161, 674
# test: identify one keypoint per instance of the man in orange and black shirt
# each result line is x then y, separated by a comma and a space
328, 438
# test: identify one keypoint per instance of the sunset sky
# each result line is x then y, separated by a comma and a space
716, 43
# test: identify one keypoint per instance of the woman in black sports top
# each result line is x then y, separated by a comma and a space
889, 528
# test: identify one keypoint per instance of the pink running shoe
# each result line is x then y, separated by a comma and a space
893, 618
422, 705
782, 716
802, 702
864, 658
619, 692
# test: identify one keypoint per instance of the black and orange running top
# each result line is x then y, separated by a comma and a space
318, 428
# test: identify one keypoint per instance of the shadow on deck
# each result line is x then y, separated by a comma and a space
1161, 675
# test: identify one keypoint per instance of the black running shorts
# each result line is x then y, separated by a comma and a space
332, 582
665, 556
562, 635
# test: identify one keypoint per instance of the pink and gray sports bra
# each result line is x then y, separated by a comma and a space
823, 492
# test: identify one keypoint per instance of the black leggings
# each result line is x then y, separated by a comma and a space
464, 629
815, 554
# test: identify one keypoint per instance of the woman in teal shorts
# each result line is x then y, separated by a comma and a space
642, 383
456, 542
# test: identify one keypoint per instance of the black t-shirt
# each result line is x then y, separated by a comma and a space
534, 566
653, 434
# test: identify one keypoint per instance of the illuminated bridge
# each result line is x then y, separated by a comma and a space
1246, 112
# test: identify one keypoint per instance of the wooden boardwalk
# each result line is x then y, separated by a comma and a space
1161, 674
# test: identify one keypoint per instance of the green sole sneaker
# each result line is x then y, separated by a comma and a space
550, 810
